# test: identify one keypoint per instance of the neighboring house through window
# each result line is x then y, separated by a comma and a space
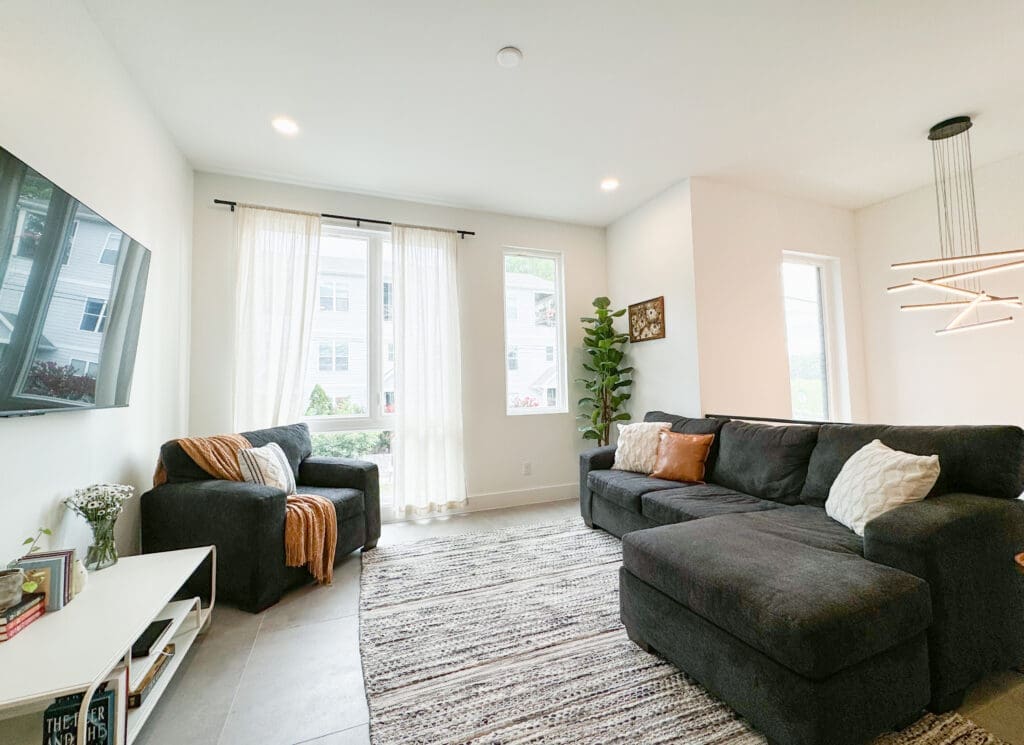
535, 366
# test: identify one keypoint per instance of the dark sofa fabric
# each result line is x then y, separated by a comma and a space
694, 501
976, 460
881, 693
246, 521
764, 460
320, 471
963, 546
621, 520
595, 459
774, 590
814, 610
625, 488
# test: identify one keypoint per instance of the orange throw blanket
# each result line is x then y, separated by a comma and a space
311, 523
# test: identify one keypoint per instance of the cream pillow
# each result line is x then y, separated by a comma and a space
637, 448
875, 480
267, 465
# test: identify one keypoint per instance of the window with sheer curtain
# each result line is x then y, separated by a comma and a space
350, 366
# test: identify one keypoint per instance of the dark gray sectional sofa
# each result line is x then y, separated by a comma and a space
812, 633
246, 521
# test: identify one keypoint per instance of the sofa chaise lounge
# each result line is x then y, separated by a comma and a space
812, 633
246, 521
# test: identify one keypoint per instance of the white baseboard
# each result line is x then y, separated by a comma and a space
518, 497
515, 498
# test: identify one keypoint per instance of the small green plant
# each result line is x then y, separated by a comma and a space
33, 545
608, 382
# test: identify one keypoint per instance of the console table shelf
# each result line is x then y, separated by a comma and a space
74, 650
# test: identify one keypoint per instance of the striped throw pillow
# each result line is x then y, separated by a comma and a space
268, 466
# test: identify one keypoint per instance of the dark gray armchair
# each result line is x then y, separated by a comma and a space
246, 521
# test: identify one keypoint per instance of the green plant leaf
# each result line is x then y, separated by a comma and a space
46, 531
602, 302
619, 313
26, 542
591, 434
623, 417
30, 586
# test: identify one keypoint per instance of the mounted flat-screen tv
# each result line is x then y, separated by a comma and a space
71, 292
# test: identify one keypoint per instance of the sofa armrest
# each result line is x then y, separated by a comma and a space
595, 459
244, 521
963, 545
347, 473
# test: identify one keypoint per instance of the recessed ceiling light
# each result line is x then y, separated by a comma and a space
609, 184
509, 57
285, 125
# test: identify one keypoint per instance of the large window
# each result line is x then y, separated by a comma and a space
807, 290
350, 367
535, 366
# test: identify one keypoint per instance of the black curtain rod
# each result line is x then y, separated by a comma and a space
357, 220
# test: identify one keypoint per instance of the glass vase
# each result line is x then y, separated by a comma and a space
103, 551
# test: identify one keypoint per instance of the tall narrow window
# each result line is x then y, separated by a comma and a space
535, 363
350, 369
805, 290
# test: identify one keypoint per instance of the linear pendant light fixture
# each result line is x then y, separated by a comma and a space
958, 239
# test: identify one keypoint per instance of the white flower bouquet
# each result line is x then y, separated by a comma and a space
100, 505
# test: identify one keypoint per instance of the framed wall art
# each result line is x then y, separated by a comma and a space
647, 320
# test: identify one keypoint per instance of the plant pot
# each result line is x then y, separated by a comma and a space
11, 581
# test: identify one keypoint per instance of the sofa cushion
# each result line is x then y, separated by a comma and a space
293, 439
348, 503
813, 610
808, 526
977, 460
695, 501
624, 488
687, 426
764, 460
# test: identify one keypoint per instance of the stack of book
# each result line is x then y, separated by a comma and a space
17, 617
53, 570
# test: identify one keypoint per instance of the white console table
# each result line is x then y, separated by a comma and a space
76, 649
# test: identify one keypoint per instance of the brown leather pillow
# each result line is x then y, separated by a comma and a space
681, 457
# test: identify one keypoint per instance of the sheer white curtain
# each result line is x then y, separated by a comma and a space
274, 302
429, 470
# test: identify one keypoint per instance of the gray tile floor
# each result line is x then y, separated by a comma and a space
292, 674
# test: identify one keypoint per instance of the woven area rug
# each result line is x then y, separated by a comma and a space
513, 636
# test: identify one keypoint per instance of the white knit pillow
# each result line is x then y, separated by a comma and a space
875, 480
267, 465
637, 448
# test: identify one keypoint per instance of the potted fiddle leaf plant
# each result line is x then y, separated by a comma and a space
607, 380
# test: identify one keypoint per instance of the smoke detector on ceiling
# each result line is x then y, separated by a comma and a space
509, 57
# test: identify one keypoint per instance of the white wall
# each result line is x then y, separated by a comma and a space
714, 251
914, 376
650, 253
71, 112
496, 444
739, 236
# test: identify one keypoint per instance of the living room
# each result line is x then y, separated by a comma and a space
509, 372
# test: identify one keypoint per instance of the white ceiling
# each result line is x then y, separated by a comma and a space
824, 99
